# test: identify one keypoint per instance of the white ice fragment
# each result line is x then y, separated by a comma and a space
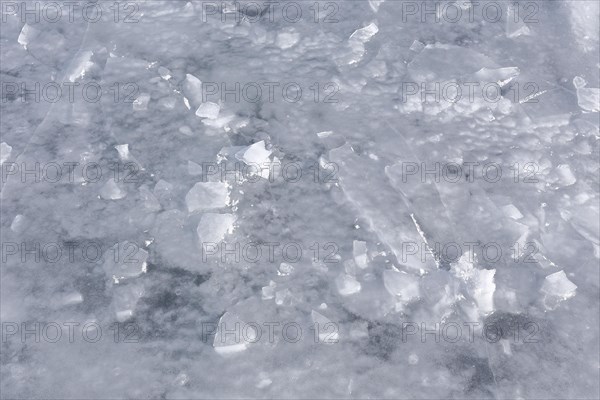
112, 191
125, 298
268, 292
515, 25
287, 39
193, 168
141, 102
359, 251
285, 269
213, 227
123, 150
565, 175
327, 330
347, 284
18, 223
233, 335
479, 282
186, 130
283, 297
500, 76
192, 89
5, 151
72, 298
164, 73
324, 134
365, 34
375, 4
417, 46
207, 196
125, 260
264, 383
511, 211
557, 288
27, 34
588, 99
208, 110
401, 285
186, 102
82, 65
357, 42
254, 154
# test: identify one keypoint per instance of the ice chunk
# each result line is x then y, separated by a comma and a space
287, 39
358, 39
479, 282
208, 110
324, 134
327, 330
207, 196
515, 26
401, 285
512, 212
27, 34
587, 98
347, 284
213, 227
375, 4
72, 298
5, 151
141, 102
417, 46
268, 292
164, 73
125, 260
125, 298
123, 150
233, 335
557, 288
18, 223
359, 251
254, 154
283, 297
82, 64
285, 269
565, 175
112, 191
192, 89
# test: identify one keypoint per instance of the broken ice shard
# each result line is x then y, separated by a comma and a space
213, 227
125, 298
359, 251
233, 335
5, 151
207, 196
208, 110
347, 284
401, 285
125, 260
112, 191
327, 331
557, 288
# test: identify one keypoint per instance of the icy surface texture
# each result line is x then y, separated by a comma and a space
299, 199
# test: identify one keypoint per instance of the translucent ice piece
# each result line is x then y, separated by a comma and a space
125, 260
125, 298
112, 191
375, 4
512, 212
326, 329
268, 292
141, 102
359, 251
347, 284
213, 227
123, 150
285, 269
207, 196
515, 26
208, 110
164, 73
28, 33
401, 285
256, 153
417, 46
233, 335
81, 65
192, 89
557, 288
5, 151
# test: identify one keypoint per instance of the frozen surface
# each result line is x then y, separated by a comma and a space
330, 199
